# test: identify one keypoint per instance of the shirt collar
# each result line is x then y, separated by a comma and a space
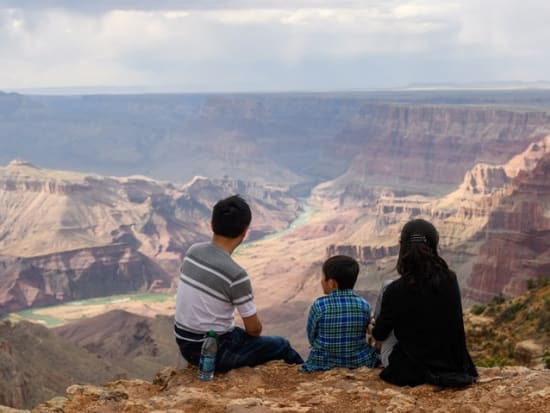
337, 293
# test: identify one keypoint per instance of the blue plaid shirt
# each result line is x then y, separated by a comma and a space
336, 330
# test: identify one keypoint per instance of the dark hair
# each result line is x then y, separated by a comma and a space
231, 216
342, 269
418, 262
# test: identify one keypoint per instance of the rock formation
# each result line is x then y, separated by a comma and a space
479, 171
427, 149
67, 236
277, 387
289, 138
36, 365
515, 331
493, 227
139, 345
516, 244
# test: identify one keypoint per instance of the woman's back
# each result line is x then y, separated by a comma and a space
427, 323
424, 310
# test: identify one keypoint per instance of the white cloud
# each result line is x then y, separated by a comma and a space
271, 44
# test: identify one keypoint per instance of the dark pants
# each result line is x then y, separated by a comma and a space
238, 349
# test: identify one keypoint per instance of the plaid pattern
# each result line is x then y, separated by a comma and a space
336, 330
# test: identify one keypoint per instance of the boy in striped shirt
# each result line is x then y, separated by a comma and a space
211, 286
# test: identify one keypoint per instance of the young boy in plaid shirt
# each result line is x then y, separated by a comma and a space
337, 322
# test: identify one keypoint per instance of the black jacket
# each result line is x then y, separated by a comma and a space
429, 327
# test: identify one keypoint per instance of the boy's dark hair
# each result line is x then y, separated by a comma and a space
231, 216
342, 269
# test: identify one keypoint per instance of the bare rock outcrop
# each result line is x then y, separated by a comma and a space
36, 365
67, 236
517, 244
493, 228
277, 387
363, 253
514, 331
427, 149
78, 274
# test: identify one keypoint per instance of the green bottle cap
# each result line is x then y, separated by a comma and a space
211, 333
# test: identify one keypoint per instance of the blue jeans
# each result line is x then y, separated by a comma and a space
238, 349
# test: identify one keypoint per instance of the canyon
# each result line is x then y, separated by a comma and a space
68, 236
365, 163
475, 163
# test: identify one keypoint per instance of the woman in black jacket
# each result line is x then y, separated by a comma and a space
423, 308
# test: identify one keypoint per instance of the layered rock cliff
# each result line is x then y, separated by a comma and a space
36, 365
78, 274
493, 227
67, 236
288, 138
427, 149
516, 247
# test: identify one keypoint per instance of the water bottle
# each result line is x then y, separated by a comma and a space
207, 361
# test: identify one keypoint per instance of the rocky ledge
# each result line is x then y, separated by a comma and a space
277, 387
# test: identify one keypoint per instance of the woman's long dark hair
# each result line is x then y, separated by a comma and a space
418, 263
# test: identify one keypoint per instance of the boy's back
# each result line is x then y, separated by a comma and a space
337, 322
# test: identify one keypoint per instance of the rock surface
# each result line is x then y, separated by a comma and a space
515, 331
516, 245
277, 387
68, 236
36, 365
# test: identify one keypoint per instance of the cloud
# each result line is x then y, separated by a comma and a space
270, 45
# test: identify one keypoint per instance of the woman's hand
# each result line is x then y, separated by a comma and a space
370, 327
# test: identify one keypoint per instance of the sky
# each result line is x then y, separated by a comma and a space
269, 45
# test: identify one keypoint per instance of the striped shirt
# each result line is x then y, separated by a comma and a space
210, 287
336, 330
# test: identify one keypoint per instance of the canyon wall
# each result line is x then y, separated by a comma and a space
516, 244
67, 236
428, 149
36, 365
78, 274
287, 138
494, 227
374, 160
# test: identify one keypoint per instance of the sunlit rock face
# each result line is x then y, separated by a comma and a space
373, 160
428, 149
67, 236
517, 245
493, 226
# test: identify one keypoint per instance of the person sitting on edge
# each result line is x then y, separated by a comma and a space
337, 322
424, 310
211, 286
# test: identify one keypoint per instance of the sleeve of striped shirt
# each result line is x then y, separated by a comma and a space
240, 294
240, 290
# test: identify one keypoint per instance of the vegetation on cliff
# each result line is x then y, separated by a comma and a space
515, 331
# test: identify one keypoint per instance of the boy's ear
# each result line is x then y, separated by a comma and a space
243, 234
332, 283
